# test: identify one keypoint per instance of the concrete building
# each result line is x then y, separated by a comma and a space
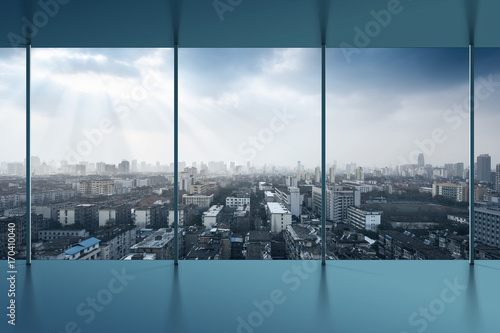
117, 214
116, 241
291, 181
303, 242
290, 197
269, 196
364, 219
457, 192
161, 243
85, 215
497, 187
263, 186
279, 216
359, 173
332, 175
258, 245
102, 187
487, 223
338, 199
212, 216
84, 250
484, 168
47, 235
402, 246
234, 202
151, 216
124, 167
202, 201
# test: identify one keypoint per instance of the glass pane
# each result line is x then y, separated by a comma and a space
398, 143
249, 124
12, 153
487, 170
103, 139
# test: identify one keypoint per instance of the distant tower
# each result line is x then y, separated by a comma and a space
421, 161
359, 173
332, 174
498, 179
317, 175
484, 168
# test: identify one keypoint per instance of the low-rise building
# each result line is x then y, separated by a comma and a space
116, 241
161, 243
364, 219
200, 200
302, 242
84, 250
212, 216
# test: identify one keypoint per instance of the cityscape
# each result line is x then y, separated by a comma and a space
249, 176
227, 211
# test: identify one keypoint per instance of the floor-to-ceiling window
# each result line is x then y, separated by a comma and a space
12, 153
398, 145
249, 152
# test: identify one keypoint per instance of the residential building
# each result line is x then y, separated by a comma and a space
487, 223
279, 216
84, 250
290, 197
338, 199
212, 216
457, 192
161, 243
116, 241
364, 219
235, 201
302, 242
85, 215
116, 214
200, 200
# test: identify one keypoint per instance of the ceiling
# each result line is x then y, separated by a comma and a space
250, 23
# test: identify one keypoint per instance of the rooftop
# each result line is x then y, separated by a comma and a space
277, 208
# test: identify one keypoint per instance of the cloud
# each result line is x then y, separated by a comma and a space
378, 106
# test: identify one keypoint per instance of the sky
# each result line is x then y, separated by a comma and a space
384, 106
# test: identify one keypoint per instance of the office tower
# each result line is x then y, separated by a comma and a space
421, 161
317, 175
483, 168
134, 166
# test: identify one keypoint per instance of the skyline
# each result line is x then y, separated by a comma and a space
391, 102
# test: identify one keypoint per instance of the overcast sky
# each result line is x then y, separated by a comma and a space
257, 105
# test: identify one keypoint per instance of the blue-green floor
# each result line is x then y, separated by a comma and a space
254, 296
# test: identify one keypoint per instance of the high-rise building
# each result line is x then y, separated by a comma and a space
458, 170
421, 161
487, 218
134, 166
124, 167
317, 175
484, 168
498, 179
332, 174
359, 173
338, 199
